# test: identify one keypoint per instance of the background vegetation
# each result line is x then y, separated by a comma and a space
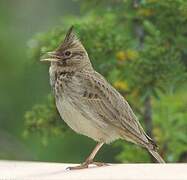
138, 45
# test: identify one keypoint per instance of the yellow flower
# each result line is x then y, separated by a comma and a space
145, 12
121, 56
132, 54
121, 85
135, 93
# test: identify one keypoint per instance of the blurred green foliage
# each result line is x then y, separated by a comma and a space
36, 120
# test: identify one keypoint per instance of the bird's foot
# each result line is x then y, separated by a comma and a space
85, 165
99, 164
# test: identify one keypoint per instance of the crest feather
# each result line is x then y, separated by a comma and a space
70, 35
70, 40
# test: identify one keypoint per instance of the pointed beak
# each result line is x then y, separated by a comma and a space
50, 56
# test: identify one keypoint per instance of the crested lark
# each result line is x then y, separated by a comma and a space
88, 103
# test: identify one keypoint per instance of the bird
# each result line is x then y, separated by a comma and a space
88, 103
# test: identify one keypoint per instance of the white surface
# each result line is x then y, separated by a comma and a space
12, 170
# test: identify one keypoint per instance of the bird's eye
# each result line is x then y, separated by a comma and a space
67, 53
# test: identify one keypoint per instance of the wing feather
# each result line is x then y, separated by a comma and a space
102, 99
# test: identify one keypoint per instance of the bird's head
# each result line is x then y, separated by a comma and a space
70, 55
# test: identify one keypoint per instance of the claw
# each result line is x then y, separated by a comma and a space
99, 164
86, 164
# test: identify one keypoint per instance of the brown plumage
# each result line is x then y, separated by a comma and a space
88, 103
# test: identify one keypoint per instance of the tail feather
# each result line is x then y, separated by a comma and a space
152, 148
156, 156
152, 142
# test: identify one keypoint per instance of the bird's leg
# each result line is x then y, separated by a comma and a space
90, 158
